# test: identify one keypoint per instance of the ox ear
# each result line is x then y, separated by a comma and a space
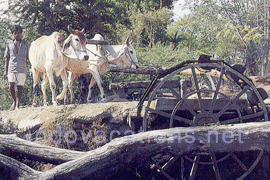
83, 31
70, 29
127, 41
66, 43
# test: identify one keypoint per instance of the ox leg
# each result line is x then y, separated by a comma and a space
71, 77
52, 86
65, 85
35, 74
95, 79
43, 88
91, 85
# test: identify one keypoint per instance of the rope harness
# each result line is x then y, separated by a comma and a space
75, 49
126, 53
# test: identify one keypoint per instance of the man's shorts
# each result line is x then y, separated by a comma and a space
17, 77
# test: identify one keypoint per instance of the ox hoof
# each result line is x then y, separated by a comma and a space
103, 100
59, 97
67, 103
55, 103
90, 101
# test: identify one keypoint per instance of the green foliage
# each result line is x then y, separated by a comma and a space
195, 33
241, 26
148, 27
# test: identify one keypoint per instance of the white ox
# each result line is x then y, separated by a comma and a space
100, 56
48, 57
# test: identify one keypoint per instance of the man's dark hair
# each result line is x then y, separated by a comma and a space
16, 28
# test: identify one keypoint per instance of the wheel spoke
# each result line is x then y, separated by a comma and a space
241, 93
239, 113
225, 108
182, 168
211, 81
189, 108
217, 90
215, 166
177, 117
198, 89
242, 165
170, 162
232, 102
177, 95
162, 113
246, 117
194, 167
163, 171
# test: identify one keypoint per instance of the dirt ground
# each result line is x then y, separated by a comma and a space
27, 117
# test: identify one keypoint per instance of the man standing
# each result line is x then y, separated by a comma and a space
16, 54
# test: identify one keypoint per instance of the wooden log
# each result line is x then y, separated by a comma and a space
135, 148
213, 73
120, 88
139, 70
155, 70
33, 150
165, 104
261, 79
88, 41
216, 73
142, 84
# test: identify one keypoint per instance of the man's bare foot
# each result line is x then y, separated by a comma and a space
13, 106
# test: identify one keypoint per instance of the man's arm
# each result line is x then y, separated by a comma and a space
7, 57
6, 68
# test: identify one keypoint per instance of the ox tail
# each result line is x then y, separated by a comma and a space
36, 90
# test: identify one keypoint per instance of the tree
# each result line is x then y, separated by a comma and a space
176, 39
149, 27
243, 31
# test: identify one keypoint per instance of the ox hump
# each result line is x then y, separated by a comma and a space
98, 37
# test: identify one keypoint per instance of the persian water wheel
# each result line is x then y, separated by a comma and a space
232, 98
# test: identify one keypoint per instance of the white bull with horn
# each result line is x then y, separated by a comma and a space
47, 57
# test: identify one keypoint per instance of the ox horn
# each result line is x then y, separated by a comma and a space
127, 41
70, 29
83, 31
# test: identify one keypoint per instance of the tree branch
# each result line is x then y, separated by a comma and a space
34, 150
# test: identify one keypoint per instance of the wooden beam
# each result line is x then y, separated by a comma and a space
213, 73
154, 70
88, 41
33, 150
139, 70
142, 84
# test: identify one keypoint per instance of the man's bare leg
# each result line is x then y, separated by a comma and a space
19, 95
13, 95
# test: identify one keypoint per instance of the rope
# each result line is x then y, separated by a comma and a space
106, 59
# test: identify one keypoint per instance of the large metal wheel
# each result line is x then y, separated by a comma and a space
228, 97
